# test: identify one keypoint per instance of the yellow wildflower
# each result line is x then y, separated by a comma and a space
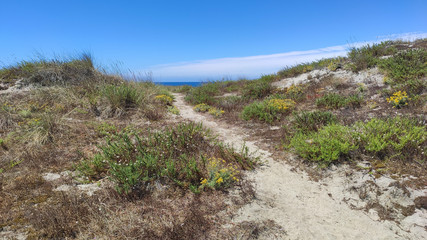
219, 180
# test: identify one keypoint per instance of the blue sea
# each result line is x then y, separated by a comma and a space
193, 84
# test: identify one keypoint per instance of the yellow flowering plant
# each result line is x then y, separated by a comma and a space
398, 99
165, 99
220, 174
173, 109
215, 112
201, 107
280, 105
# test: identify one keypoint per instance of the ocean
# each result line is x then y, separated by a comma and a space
193, 84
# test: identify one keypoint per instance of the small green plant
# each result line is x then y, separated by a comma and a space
220, 174
259, 88
368, 56
312, 121
2, 143
230, 103
25, 113
173, 109
331, 101
354, 101
336, 101
93, 168
295, 92
329, 144
203, 94
123, 96
201, 107
165, 99
216, 112
105, 129
268, 110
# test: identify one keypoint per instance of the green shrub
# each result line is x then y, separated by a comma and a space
216, 112
203, 94
294, 92
401, 137
184, 89
268, 110
220, 175
329, 144
122, 96
165, 99
293, 71
201, 107
105, 129
312, 121
331, 101
178, 154
336, 101
93, 168
174, 110
354, 101
406, 69
368, 56
230, 103
259, 88
398, 99
398, 138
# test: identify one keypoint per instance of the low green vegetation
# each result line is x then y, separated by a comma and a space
124, 96
268, 110
203, 94
67, 71
293, 71
312, 121
406, 70
211, 110
336, 101
400, 138
394, 138
368, 56
329, 144
186, 155
258, 89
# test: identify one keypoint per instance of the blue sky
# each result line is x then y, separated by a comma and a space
199, 40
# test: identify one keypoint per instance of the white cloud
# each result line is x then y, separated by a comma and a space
255, 66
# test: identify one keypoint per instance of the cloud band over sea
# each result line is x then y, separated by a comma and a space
255, 66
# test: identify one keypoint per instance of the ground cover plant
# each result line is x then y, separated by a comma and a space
182, 155
394, 138
268, 110
293, 71
336, 101
312, 121
406, 70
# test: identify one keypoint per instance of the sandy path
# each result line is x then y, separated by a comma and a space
301, 207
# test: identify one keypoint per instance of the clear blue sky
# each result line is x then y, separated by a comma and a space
141, 34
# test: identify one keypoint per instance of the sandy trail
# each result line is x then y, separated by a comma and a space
303, 208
